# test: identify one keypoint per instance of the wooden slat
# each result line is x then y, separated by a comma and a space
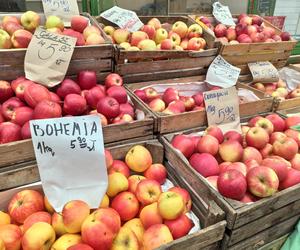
153, 66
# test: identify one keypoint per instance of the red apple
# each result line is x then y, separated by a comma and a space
79, 23
9, 132
257, 20
266, 150
285, 36
292, 121
156, 172
9, 107
21, 115
47, 109
246, 20
6, 91
248, 198
25, 131
234, 136
265, 124
205, 164
240, 29
122, 118
109, 107
257, 137
87, 79
93, 95
119, 93
252, 121
276, 136
216, 132
231, 34
189, 102
127, 108
184, 144
231, 151
251, 153
295, 162
220, 30
198, 98
180, 226
150, 30
239, 166
151, 93
67, 87
208, 144
34, 93
278, 165
293, 178
119, 167
170, 95
74, 104
262, 181
232, 184
14, 83
141, 94
293, 134
113, 79
243, 38
251, 164
286, 148
55, 97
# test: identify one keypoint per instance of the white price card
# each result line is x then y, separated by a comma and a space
263, 72
65, 9
125, 19
71, 159
223, 14
221, 73
48, 57
222, 109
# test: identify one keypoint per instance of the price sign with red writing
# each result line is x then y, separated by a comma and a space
48, 57
125, 19
222, 109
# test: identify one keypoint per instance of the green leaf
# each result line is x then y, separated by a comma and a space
296, 127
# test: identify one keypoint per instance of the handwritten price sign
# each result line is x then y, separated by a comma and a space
222, 109
64, 9
223, 14
221, 73
263, 72
48, 57
125, 19
71, 160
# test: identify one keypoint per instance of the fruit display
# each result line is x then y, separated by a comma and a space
248, 29
261, 161
278, 89
23, 100
17, 32
175, 99
140, 210
159, 36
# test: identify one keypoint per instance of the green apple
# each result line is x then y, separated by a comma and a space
5, 42
30, 20
54, 22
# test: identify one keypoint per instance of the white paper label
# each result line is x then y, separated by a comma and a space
221, 73
48, 57
64, 9
263, 72
71, 160
222, 109
125, 19
223, 14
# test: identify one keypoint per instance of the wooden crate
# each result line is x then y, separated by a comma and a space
241, 54
249, 226
22, 151
137, 66
210, 215
98, 58
171, 123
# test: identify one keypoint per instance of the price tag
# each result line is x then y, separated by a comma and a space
223, 14
48, 57
221, 73
263, 72
125, 19
64, 9
71, 160
222, 109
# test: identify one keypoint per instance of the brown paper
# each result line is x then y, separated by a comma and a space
263, 72
64, 9
48, 57
222, 109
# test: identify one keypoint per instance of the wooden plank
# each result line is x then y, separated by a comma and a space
266, 236
154, 66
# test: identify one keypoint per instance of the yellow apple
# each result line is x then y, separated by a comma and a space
105, 202
160, 35
58, 224
125, 239
170, 205
4, 218
156, 236
137, 227
138, 158
117, 183
66, 241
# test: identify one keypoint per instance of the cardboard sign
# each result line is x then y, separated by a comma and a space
71, 160
125, 19
221, 73
223, 14
263, 72
48, 57
222, 109
64, 9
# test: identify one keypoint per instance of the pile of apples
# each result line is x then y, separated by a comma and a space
246, 167
278, 89
17, 32
247, 30
134, 214
157, 36
23, 100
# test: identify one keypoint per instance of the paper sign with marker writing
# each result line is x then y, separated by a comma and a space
222, 109
221, 73
125, 19
64, 9
71, 160
223, 14
263, 72
48, 57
